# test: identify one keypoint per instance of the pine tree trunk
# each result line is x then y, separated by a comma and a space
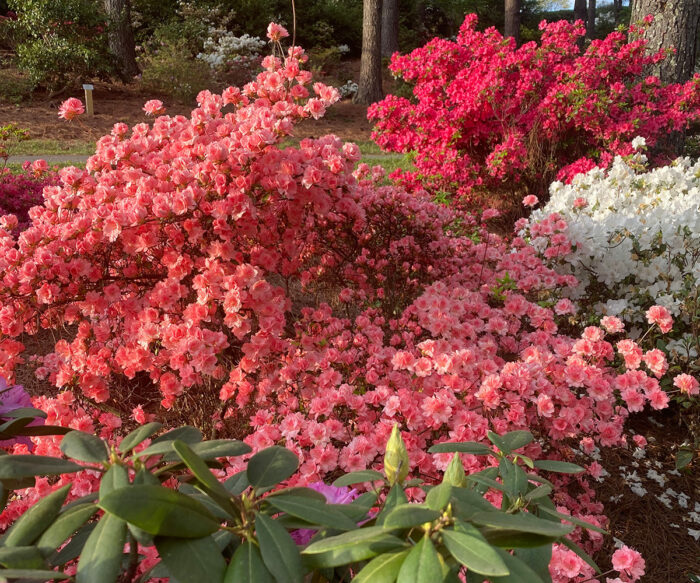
390, 27
590, 23
370, 86
581, 13
121, 37
617, 8
512, 20
675, 25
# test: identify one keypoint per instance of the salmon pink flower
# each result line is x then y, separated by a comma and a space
71, 108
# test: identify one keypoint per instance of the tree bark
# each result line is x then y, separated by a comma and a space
590, 22
390, 27
370, 86
675, 25
121, 37
512, 20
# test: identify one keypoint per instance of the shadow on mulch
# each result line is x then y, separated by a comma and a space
645, 523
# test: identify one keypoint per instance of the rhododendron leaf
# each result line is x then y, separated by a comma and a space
200, 471
498, 441
438, 497
33, 574
192, 559
538, 559
516, 439
528, 461
466, 503
522, 522
571, 519
299, 491
138, 435
200, 495
16, 467
684, 456
271, 466
409, 515
519, 571
350, 547
216, 448
160, 511
40, 430
9, 428
421, 565
278, 550
358, 478
237, 483
101, 557
25, 412
36, 519
472, 447
65, 525
20, 558
164, 443
559, 467
247, 566
84, 447
143, 476
485, 481
114, 478
538, 492
313, 511
581, 553
354, 513
470, 548
74, 547
395, 497
382, 569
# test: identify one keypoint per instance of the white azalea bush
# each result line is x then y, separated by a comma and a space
635, 236
232, 58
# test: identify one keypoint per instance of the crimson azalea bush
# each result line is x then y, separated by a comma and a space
485, 113
320, 307
20, 191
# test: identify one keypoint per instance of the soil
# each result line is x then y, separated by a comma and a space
123, 103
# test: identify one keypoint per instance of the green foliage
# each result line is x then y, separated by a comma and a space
60, 42
237, 531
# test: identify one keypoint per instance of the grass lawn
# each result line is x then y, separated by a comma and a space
48, 147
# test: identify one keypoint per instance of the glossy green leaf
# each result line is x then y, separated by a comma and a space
395, 497
217, 448
466, 503
139, 435
101, 559
25, 412
519, 571
115, 477
572, 519
470, 548
421, 565
160, 511
472, 447
358, 478
382, 569
558, 467
237, 483
350, 547
408, 516
200, 471
538, 559
17, 467
298, 491
516, 439
312, 511
498, 442
192, 560
21, 558
37, 430
65, 525
84, 447
33, 575
271, 466
164, 443
37, 519
279, 552
247, 566
485, 481
538, 492
684, 456
522, 522
72, 549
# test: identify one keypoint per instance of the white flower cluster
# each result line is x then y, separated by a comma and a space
348, 90
224, 48
636, 236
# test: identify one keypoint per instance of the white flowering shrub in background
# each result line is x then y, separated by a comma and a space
636, 240
348, 90
234, 59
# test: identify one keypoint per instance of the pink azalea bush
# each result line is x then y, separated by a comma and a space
488, 114
320, 307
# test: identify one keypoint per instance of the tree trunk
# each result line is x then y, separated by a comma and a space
590, 23
617, 8
121, 37
512, 20
370, 86
580, 13
390, 27
675, 25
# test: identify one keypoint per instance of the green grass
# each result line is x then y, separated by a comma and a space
49, 147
